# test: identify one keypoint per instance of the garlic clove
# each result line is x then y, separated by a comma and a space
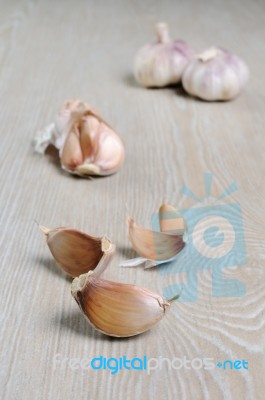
87, 144
162, 63
216, 74
170, 220
107, 153
117, 309
158, 246
88, 134
75, 251
71, 153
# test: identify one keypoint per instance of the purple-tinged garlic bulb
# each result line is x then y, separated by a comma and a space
216, 74
162, 63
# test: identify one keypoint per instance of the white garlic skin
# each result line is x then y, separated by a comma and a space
216, 74
162, 63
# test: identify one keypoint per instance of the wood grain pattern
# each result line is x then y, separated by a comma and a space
51, 51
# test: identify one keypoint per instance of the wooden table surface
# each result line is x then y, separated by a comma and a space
51, 51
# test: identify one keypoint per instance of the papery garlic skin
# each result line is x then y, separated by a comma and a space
216, 74
117, 309
87, 144
162, 63
76, 252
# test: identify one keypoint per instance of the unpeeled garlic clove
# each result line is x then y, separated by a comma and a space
76, 252
87, 144
117, 309
216, 74
153, 247
158, 246
162, 63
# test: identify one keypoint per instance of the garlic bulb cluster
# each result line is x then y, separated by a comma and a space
118, 309
87, 144
216, 74
162, 63
153, 247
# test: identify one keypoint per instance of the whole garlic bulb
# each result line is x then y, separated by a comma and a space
162, 63
216, 74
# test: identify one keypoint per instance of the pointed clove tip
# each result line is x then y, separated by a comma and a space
44, 229
130, 221
127, 210
165, 207
173, 298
